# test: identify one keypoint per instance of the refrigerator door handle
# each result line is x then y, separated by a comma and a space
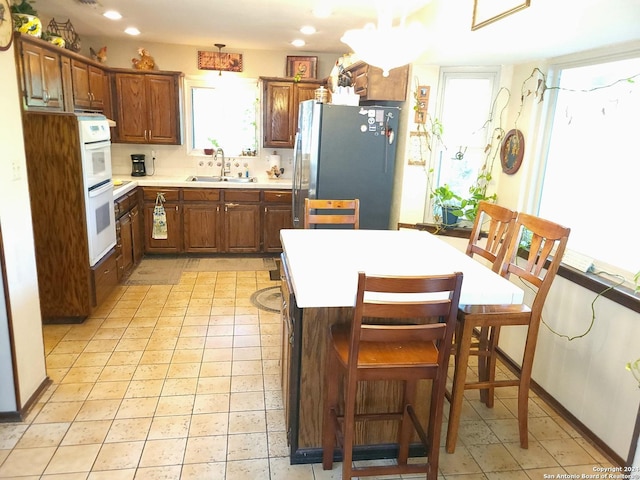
296, 180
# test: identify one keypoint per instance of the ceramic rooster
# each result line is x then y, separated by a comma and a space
145, 62
100, 55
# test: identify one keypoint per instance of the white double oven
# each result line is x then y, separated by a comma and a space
95, 143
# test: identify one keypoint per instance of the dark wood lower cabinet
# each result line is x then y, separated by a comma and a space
217, 220
104, 277
129, 240
241, 228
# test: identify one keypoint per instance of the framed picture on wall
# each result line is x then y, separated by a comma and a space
489, 11
302, 67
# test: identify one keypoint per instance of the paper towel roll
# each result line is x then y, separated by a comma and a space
274, 161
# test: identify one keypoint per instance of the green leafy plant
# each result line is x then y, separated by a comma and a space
214, 142
445, 199
636, 280
25, 7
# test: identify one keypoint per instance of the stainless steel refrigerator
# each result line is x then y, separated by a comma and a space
344, 152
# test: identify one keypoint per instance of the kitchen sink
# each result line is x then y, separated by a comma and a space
201, 178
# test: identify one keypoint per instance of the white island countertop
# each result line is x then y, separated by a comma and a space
129, 183
324, 264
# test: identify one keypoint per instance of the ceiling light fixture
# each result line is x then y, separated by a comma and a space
386, 46
219, 59
132, 31
112, 15
298, 43
308, 30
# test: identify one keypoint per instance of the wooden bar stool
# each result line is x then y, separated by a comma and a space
496, 224
408, 350
331, 212
536, 270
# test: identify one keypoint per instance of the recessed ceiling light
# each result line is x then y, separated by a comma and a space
132, 31
112, 15
322, 11
308, 30
298, 43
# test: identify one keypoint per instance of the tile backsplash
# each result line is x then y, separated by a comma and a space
172, 161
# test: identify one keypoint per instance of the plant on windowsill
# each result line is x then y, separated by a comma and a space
214, 145
447, 207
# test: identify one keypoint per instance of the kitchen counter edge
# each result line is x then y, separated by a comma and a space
129, 183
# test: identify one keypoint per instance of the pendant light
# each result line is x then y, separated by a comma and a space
220, 47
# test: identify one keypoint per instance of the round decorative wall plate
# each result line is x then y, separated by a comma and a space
512, 151
6, 25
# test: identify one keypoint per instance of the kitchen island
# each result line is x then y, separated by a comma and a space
319, 282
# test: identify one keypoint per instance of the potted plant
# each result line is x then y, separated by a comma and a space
448, 203
25, 19
214, 145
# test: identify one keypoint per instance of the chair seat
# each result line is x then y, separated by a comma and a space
385, 354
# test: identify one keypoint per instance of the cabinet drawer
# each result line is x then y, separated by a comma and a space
121, 205
201, 195
277, 196
170, 194
242, 196
105, 277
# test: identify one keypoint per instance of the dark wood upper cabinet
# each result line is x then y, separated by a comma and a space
280, 109
40, 75
88, 86
147, 107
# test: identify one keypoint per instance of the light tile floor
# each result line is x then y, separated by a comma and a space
182, 382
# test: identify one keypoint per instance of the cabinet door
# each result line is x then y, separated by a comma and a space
81, 93
304, 91
42, 76
173, 242
287, 339
67, 83
137, 229
132, 108
241, 228
201, 228
276, 217
161, 109
278, 122
96, 87
126, 242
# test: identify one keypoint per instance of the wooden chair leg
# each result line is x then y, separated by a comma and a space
494, 335
483, 362
332, 376
406, 426
457, 390
348, 427
523, 388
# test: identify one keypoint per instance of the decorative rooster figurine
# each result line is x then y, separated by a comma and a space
145, 62
100, 56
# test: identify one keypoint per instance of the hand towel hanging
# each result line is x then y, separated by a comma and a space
159, 219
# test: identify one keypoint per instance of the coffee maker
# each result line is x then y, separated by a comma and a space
138, 169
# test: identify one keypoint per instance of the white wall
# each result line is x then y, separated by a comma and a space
15, 216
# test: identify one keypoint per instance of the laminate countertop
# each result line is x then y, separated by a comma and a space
323, 265
129, 183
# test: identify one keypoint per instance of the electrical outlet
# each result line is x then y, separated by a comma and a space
577, 260
16, 171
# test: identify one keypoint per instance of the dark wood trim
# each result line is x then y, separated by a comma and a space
458, 232
580, 427
360, 452
22, 413
599, 284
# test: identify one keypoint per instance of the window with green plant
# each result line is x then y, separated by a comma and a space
222, 113
461, 160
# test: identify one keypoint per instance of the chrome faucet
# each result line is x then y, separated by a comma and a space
225, 167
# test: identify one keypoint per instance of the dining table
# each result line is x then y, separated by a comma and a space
319, 275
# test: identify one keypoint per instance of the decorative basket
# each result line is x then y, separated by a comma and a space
67, 32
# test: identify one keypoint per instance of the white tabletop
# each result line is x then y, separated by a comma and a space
324, 265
